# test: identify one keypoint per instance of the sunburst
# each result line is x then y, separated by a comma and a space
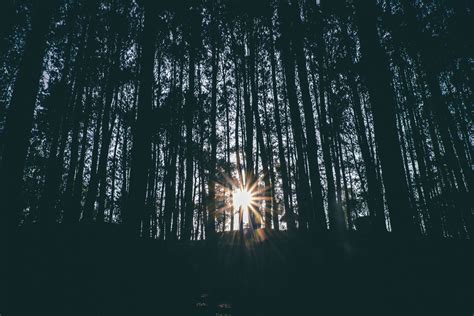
247, 196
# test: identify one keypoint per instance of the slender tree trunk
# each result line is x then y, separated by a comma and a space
435, 227
237, 120
213, 140
114, 176
77, 106
453, 147
374, 188
142, 136
383, 108
228, 150
20, 113
107, 127
318, 219
344, 159
303, 191
170, 179
73, 214
180, 201
49, 198
89, 205
58, 104
334, 212
258, 127
278, 127
189, 116
248, 115
271, 200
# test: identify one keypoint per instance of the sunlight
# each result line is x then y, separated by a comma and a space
248, 199
242, 198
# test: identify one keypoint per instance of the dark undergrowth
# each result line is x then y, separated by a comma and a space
96, 270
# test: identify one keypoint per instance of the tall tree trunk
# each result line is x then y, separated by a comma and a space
170, 180
374, 188
344, 159
20, 112
48, 200
452, 147
278, 127
228, 150
149, 206
73, 213
189, 116
318, 219
303, 191
334, 212
248, 115
258, 127
59, 102
124, 169
142, 136
382, 98
107, 127
435, 227
89, 205
213, 140
114, 176
271, 200
77, 107
236, 137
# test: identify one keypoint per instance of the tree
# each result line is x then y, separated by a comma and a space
151, 115
21, 110
289, 69
141, 134
377, 74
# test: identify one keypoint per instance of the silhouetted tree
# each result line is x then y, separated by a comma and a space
151, 115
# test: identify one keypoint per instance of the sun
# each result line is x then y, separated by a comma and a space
246, 198
242, 198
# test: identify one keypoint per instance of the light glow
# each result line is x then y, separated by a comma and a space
242, 198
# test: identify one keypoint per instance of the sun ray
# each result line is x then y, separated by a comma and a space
243, 196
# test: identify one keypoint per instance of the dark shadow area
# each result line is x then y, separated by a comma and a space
95, 270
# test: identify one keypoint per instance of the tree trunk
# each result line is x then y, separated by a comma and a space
213, 140
89, 205
278, 127
73, 213
142, 136
48, 200
375, 198
318, 219
189, 116
382, 98
303, 191
107, 127
20, 112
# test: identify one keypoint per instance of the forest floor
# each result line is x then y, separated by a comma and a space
96, 270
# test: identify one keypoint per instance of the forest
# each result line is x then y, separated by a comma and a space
196, 126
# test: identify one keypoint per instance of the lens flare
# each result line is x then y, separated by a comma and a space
242, 198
